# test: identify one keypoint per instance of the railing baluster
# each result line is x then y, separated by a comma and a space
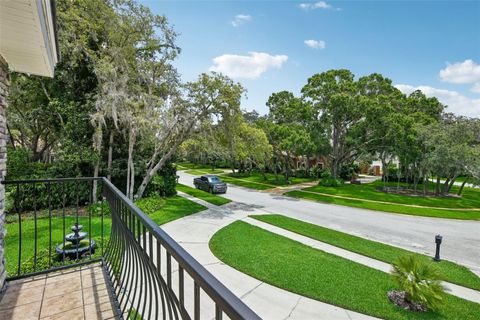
49, 226
76, 213
144, 238
93, 202
169, 270
196, 301
36, 231
63, 218
181, 289
139, 234
19, 208
101, 222
218, 312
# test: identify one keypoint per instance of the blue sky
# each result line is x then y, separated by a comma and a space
270, 46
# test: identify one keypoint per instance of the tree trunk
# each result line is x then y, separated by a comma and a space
12, 141
384, 172
131, 169
95, 182
437, 187
287, 167
275, 168
461, 187
425, 182
110, 153
452, 183
152, 171
445, 185
334, 169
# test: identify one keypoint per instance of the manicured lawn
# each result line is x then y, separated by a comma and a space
188, 165
245, 183
256, 181
201, 172
470, 197
200, 194
450, 271
160, 210
173, 208
193, 166
313, 273
395, 208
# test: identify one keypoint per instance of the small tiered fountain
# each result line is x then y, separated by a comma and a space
78, 244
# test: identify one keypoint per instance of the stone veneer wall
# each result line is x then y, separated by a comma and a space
4, 83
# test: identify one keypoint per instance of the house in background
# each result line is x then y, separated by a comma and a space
28, 44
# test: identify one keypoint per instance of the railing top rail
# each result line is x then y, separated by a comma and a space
6, 182
229, 303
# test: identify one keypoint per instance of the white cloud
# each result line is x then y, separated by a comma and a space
241, 19
249, 67
457, 103
315, 5
466, 72
476, 88
316, 44
461, 72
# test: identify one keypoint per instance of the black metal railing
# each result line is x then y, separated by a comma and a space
150, 274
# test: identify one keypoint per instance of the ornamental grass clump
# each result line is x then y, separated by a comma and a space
420, 285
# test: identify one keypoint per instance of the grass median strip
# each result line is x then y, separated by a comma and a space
242, 182
313, 273
370, 191
200, 194
256, 181
201, 172
450, 271
395, 208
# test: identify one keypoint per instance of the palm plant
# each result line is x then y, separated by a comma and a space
419, 280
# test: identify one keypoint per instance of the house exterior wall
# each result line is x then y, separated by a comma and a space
4, 83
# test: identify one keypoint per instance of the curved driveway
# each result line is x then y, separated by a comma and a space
461, 238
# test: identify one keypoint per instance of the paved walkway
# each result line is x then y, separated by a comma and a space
194, 232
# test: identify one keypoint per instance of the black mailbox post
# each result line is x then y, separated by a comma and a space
438, 242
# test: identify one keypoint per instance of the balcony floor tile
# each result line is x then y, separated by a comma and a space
78, 293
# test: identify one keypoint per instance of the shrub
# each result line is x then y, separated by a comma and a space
42, 263
163, 183
41, 195
20, 166
419, 280
96, 208
151, 204
302, 173
347, 171
316, 171
331, 182
239, 174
